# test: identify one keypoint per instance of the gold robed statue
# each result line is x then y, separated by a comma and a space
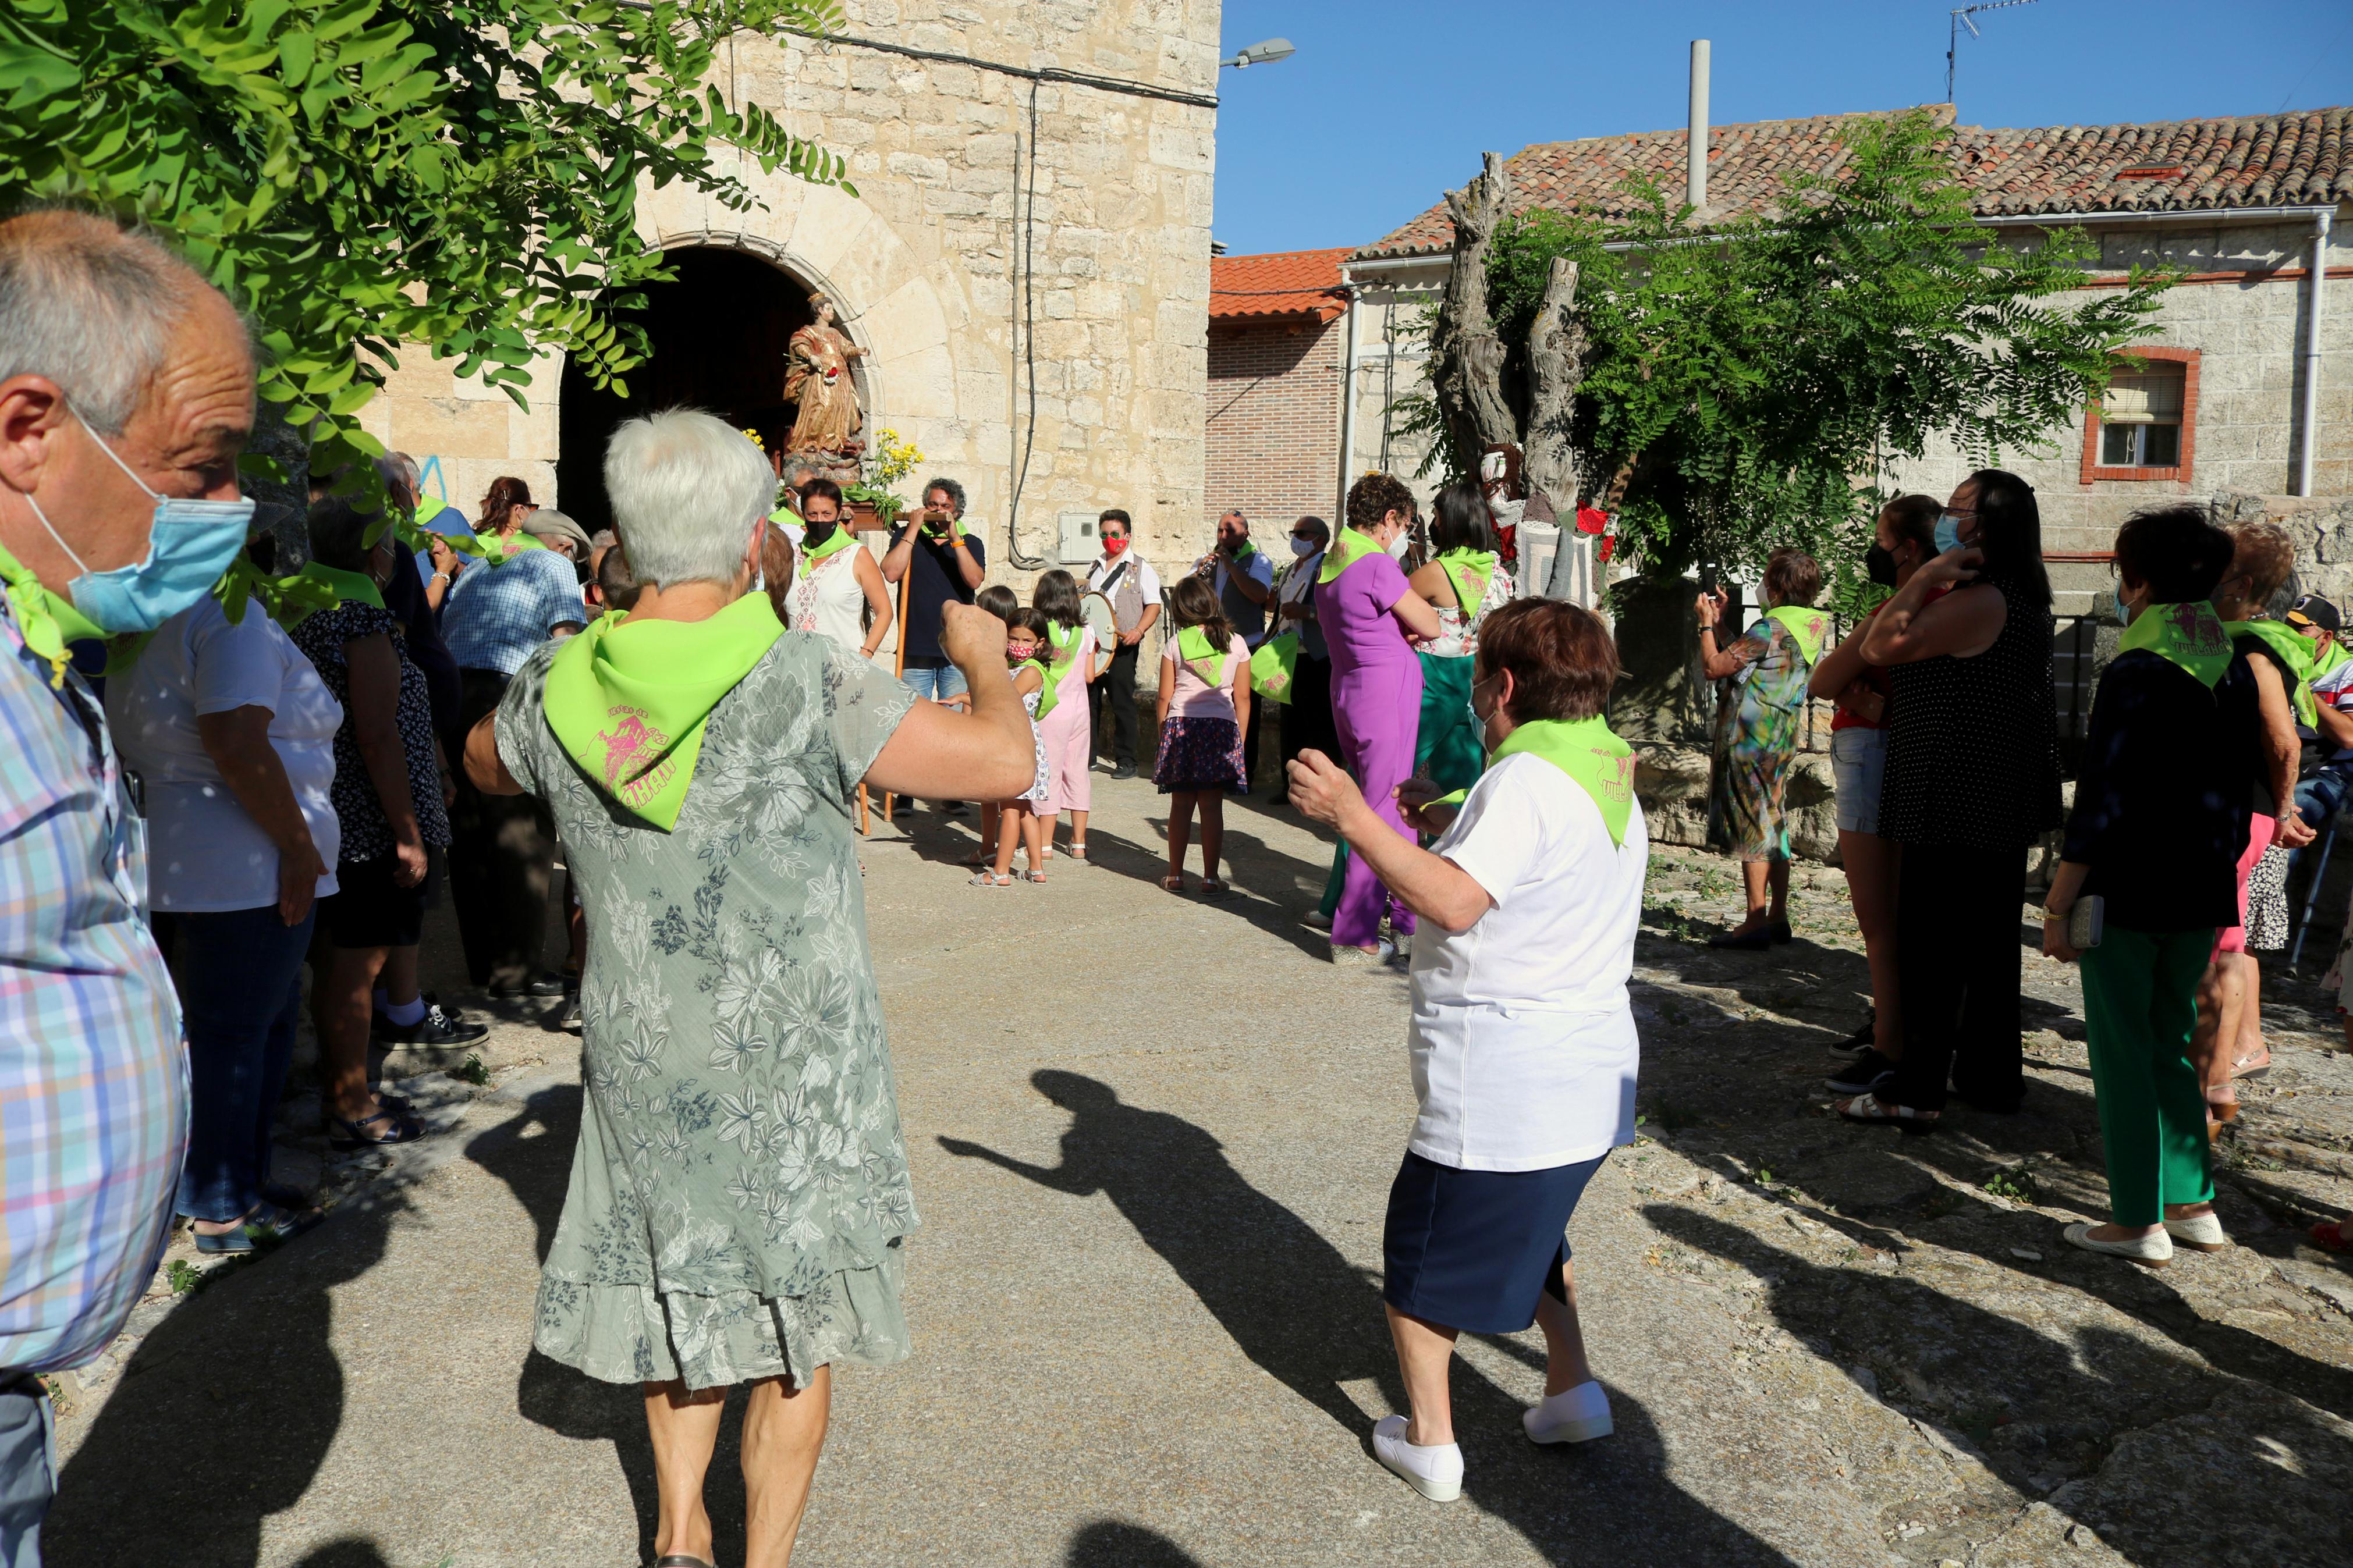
816, 376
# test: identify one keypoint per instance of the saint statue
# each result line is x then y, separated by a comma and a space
816, 374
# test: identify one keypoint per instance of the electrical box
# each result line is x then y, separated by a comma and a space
1080, 544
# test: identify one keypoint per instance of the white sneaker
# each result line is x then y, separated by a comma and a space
2198, 1232
1575, 1415
1436, 1471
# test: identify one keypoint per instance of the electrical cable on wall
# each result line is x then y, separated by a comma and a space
1023, 254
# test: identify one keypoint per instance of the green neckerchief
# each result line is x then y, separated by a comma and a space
489, 547
1808, 627
628, 697
1468, 570
1351, 547
1597, 761
2295, 653
2191, 636
1046, 698
839, 540
2327, 657
1065, 643
46, 621
1206, 660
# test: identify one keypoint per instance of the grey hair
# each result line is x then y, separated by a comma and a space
90, 305
686, 491
954, 489
397, 470
603, 539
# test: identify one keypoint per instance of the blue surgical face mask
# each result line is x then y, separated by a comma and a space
2124, 609
190, 543
1949, 532
1301, 546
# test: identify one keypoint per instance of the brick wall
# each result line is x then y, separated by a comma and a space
1274, 444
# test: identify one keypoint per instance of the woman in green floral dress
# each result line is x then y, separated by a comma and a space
739, 1195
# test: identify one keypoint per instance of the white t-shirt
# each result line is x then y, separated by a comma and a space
1147, 581
204, 853
1522, 1037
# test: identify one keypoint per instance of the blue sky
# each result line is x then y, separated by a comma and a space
1387, 104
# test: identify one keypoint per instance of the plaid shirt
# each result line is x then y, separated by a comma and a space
93, 1083
496, 615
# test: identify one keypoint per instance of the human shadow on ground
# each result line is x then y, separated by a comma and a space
531, 1152
2039, 1408
1112, 1543
1257, 899
225, 1414
1299, 1309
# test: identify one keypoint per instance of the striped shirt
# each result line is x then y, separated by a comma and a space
93, 1083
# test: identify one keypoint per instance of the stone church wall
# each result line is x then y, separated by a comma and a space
1099, 232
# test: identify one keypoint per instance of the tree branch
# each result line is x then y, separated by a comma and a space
1555, 370
1467, 357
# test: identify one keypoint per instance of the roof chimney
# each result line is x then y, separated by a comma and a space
1696, 157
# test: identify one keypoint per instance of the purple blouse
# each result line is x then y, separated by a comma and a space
1354, 610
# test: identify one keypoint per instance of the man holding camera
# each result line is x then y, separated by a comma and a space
1243, 576
947, 564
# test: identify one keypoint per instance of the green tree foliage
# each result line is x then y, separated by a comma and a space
360, 174
1750, 388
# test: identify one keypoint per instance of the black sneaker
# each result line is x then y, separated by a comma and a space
439, 1026
1125, 771
1861, 1075
545, 986
956, 808
1854, 1045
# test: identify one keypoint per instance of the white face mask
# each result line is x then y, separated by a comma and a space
1401, 543
1301, 546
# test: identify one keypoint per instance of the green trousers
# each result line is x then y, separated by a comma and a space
2140, 1002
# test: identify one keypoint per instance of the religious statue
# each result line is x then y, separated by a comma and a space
817, 375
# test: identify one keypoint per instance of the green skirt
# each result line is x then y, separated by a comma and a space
1446, 748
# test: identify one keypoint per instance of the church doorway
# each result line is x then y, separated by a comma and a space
718, 333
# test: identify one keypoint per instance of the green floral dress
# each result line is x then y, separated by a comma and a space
740, 1188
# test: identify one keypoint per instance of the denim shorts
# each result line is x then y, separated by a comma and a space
935, 682
1857, 765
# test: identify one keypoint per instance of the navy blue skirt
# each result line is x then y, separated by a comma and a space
1474, 1250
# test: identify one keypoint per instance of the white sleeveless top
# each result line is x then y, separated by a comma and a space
827, 600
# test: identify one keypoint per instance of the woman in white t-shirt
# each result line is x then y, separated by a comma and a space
232, 735
1522, 1036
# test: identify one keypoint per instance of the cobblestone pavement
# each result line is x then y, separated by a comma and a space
1151, 1137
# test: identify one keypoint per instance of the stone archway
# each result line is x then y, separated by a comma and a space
717, 332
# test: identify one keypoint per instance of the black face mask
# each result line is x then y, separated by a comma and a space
818, 533
1879, 565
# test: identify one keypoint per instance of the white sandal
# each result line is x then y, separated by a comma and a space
991, 879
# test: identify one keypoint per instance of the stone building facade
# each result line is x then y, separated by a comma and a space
1025, 261
2247, 212
1274, 425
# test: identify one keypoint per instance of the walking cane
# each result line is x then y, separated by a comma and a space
2312, 893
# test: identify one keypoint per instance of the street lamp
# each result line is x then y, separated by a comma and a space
1261, 54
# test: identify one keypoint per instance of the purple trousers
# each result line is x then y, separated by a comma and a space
1377, 709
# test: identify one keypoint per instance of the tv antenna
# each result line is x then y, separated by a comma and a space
1961, 19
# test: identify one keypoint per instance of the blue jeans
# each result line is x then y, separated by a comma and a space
2317, 797
239, 974
936, 682
28, 1469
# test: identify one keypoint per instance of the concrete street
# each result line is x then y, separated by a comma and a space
1152, 1139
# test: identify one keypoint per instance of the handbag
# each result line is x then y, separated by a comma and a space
1272, 667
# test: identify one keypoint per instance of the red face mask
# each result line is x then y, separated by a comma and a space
1113, 544
1016, 654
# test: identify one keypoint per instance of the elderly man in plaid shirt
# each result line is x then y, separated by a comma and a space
126, 394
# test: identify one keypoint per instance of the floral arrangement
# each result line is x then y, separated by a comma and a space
891, 461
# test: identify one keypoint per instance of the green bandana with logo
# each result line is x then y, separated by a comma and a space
1351, 547
628, 697
1806, 627
1595, 759
1046, 698
2191, 636
1202, 657
1468, 570
2295, 655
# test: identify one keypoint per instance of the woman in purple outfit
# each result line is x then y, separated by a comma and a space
1368, 611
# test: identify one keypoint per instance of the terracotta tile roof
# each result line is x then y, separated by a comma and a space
1284, 284
2277, 159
